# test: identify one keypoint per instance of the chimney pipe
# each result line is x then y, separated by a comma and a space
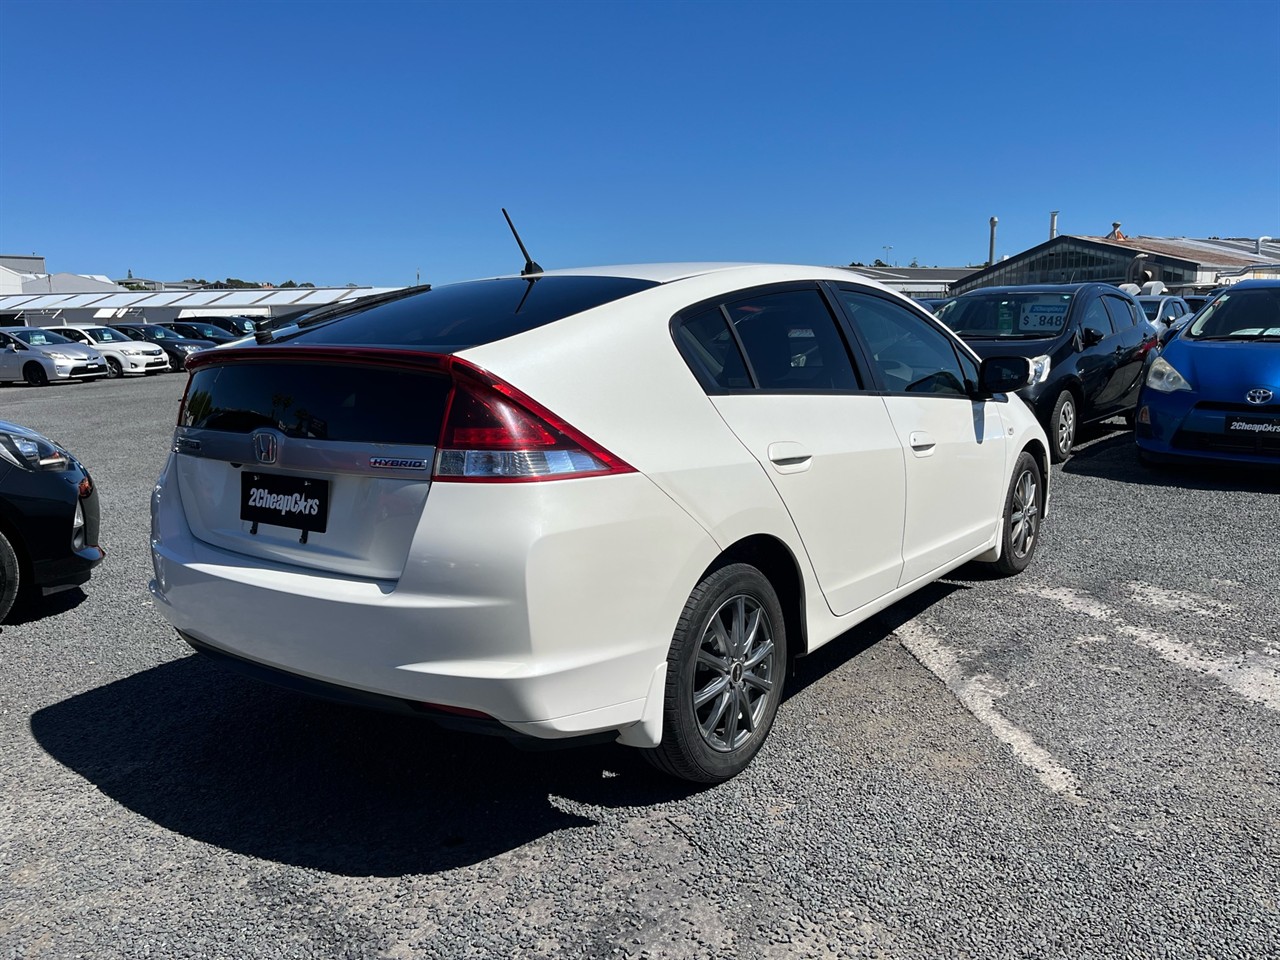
1053, 224
991, 253
1257, 247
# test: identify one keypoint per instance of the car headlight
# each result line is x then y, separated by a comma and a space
30, 451
1039, 369
1163, 376
134, 351
188, 347
56, 355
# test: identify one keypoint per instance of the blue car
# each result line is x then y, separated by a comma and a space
1214, 389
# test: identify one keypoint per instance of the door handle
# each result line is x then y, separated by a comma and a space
787, 456
922, 443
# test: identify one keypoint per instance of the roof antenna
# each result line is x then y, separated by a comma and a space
529, 266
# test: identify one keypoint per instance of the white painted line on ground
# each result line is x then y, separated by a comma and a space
1176, 600
1252, 675
978, 695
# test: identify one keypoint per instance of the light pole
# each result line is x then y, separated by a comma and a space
886, 248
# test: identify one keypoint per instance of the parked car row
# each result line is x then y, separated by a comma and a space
89, 351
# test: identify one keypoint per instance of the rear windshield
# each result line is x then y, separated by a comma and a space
1016, 316
1150, 308
338, 402
465, 315
1241, 315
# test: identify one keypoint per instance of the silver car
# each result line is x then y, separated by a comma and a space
42, 356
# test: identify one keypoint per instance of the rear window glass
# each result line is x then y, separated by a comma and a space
468, 314
706, 342
337, 402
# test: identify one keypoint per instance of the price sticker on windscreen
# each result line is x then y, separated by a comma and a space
1046, 317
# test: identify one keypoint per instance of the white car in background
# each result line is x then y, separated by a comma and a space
40, 357
609, 502
124, 357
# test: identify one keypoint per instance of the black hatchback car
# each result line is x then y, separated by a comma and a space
1088, 343
48, 517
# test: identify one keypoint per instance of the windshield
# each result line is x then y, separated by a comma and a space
1242, 315
200, 330
152, 332
106, 335
39, 338
1006, 315
1151, 308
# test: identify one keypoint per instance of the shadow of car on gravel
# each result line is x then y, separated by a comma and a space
272, 774
275, 775
1116, 458
31, 609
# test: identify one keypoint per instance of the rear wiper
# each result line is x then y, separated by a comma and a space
334, 309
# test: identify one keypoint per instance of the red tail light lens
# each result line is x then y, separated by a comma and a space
494, 433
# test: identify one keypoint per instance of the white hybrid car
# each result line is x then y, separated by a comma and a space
599, 503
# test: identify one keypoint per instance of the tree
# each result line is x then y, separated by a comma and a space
879, 263
915, 262
287, 284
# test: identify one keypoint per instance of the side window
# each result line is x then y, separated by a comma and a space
792, 342
1096, 316
911, 355
709, 348
1121, 316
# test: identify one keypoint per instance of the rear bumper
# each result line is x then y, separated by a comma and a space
545, 607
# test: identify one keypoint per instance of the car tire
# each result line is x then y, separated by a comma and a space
725, 673
10, 577
1023, 511
1063, 423
35, 375
114, 372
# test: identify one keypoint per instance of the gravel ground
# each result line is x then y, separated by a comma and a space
1083, 761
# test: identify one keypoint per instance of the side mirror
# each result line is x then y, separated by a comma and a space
1003, 375
1092, 337
11, 347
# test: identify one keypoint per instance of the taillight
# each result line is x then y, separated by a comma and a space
494, 433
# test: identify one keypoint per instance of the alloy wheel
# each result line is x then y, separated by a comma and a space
1066, 428
1024, 516
735, 671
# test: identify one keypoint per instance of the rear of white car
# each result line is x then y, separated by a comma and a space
495, 502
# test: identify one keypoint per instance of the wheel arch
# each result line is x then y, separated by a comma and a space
774, 559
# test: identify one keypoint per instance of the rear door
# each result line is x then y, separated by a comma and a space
798, 403
954, 445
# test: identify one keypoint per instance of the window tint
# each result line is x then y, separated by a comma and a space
1096, 316
337, 402
792, 342
710, 349
1122, 316
464, 315
911, 355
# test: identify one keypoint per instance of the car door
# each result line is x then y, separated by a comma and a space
11, 358
779, 372
1135, 335
1097, 358
954, 445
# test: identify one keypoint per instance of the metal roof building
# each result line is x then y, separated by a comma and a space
1182, 264
41, 309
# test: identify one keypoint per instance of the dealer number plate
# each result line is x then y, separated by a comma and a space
284, 501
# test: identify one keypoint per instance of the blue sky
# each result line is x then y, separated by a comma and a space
363, 142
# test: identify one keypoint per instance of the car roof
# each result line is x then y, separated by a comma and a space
1043, 288
1261, 284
